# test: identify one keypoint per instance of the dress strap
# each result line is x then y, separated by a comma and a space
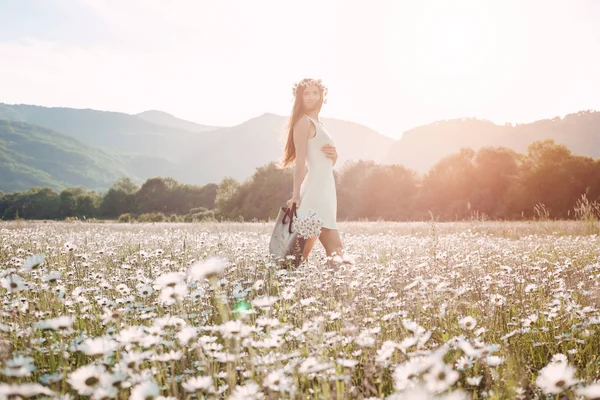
313, 120
316, 126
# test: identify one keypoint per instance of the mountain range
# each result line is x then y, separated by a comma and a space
420, 148
61, 147
31, 155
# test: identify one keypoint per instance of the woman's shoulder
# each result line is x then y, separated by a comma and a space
302, 123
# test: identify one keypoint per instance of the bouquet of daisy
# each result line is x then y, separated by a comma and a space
308, 226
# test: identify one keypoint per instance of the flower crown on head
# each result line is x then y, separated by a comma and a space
308, 82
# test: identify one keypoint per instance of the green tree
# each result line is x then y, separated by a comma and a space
120, 199
87, 205
258, 197
41, 203
225, 193
351, 177
388, 192
126, 185
448, 187
186, 197
68, 201
496, 170
156, 195
553, 176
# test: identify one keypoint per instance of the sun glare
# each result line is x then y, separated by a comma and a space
446, 53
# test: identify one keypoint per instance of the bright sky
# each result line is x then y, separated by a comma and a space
390, 65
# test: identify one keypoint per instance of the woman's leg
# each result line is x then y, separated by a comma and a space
308, 247
330, 239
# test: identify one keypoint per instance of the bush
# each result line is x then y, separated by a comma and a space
175, 218
197, 210
207, 215
152, 217
126, 218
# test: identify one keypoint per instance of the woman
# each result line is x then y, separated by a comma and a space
309, 145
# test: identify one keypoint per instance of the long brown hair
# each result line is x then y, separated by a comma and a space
289, 151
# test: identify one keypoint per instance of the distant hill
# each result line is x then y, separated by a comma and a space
154, 143
166, 119
420, 148
240, 149
113, 131
31, 156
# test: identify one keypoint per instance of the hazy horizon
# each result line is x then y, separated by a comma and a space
216, 64
285, 116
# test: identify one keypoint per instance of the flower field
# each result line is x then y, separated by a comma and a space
465, 310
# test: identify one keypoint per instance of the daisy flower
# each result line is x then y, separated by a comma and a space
170, 295
311, 365
250, 391
52, 277
591, 391
144, 291
18, 367
474, 380
13, 283
307, 226
145, 391
463, 363
467, 323
347, 363
530, 287
89, 378
278, 381
169, 279
556, 377
131, 335
559, 357
33, 262
365, 341
132, 359
62, 323
98, 346
24, 390
440, 377
498, 300
186, 334
406, 374
234, 328
199, 383
209, 268
413, 327
173, 355
529, 321
494, 361
104, 392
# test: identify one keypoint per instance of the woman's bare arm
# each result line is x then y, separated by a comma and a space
301, 134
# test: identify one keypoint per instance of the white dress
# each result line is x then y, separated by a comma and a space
317, 191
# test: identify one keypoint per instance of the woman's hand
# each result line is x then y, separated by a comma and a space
330, 152
294, 199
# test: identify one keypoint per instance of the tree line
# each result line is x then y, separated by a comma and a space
157, 196
491, 183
